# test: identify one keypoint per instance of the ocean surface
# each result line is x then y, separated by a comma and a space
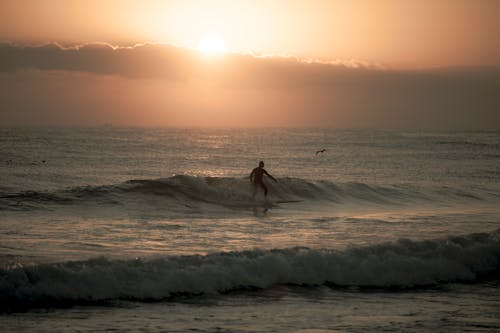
156, 230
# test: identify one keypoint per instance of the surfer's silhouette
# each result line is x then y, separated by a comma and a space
256, 178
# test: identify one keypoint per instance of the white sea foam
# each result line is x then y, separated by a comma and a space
400, 264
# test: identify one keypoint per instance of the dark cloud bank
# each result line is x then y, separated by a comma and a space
51, 82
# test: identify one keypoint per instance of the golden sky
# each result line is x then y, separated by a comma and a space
395, 33
276, 63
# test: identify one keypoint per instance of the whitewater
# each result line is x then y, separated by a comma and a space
156, 230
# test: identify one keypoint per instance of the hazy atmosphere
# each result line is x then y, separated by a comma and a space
396, 64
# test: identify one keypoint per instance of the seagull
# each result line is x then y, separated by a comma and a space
320, 151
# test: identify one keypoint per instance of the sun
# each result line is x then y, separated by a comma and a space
211, 44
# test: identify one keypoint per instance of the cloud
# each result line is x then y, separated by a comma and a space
162, 61
185, 88
142, 61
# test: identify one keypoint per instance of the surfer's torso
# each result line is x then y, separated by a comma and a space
258, 174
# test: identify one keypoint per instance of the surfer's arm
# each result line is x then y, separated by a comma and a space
270, 176
251, 175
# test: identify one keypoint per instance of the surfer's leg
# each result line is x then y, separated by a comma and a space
264, 187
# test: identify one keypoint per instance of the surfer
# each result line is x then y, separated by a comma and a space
256, 178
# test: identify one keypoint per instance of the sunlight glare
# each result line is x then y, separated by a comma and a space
211, 45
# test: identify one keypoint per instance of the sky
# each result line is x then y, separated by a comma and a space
384, 63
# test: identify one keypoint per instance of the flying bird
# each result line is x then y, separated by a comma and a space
320, 151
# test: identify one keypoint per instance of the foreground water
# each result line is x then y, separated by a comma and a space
156, 230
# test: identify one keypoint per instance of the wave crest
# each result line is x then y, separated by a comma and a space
401, 264
229, 192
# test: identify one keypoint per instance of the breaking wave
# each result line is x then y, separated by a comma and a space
401, 264
236, 193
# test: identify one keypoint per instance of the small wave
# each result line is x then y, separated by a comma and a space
29, 200
401, 264
190, 191
475, 144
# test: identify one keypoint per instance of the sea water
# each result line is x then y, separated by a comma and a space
151, 230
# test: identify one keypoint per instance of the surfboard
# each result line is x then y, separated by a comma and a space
259, 204
287, 201
273, 204
251, 204
266, 205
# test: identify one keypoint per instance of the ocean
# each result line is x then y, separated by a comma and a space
156, 230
